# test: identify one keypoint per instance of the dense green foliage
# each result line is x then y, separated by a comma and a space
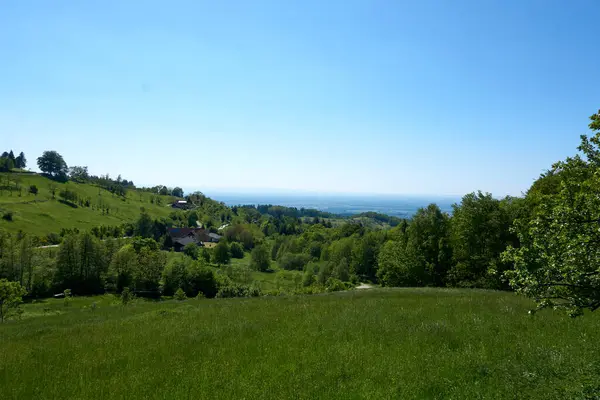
558, 260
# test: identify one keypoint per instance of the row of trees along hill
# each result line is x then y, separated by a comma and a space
8, 161
543, 244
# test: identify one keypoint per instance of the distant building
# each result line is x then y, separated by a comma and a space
180, 237
180, 204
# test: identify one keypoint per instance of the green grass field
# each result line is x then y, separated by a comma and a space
41, 214
375, 344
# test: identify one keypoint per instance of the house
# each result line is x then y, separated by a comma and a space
213, 237
180, 204
181, 237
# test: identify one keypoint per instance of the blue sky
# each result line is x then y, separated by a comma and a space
415, 97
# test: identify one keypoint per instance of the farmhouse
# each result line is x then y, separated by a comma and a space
180, 204
183, 236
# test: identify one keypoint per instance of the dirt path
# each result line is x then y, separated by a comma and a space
364, 286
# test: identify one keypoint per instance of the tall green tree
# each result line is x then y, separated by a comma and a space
177, 192
221, 254
480, 233
144, 225
21, 161
558, 261
53, 164
261, 260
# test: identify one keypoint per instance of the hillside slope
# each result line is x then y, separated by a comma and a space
370, 344
42, 214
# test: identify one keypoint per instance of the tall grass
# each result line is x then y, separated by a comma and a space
375, 344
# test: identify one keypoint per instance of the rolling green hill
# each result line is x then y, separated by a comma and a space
42, 214
370, 344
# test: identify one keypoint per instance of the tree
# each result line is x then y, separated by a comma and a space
221, 253
6, 164
261, 261
53, 164
52, 188
480, 233
237, 251
191, 250
79, 174
177, 192
558, 261
150, 263
21, 161
11, 155
123, 268
144, 225
394, 270
11, 296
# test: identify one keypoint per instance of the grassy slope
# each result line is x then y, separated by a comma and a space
41, 215
403, 343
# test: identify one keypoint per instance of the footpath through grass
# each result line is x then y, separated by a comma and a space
376, 344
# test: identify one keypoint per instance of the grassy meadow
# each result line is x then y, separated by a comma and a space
374, 344
40, 214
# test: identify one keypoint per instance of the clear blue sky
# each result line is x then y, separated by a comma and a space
411, 97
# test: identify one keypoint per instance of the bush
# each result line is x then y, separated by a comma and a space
126, 296
237, 251
53, 238
335, 285
291, 261
33, 190
180, 294
7, 216
237, 290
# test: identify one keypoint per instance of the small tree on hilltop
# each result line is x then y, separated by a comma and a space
53, 164
21, 161
11, 296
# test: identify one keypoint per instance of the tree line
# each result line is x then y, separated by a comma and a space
8, 161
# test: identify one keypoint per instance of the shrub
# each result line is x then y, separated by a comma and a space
237, 290
291, 261
33, 190
180, 294
53, 238
237, 251
126, 296
7, 216
335, 285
